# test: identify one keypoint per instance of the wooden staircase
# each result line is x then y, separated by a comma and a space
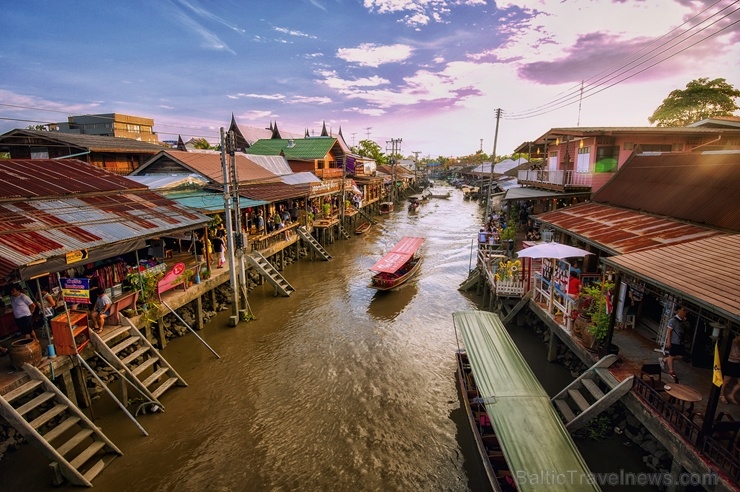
78, 449
343, 231
130, 353
593, 392
270, 273
366, 215
303, 232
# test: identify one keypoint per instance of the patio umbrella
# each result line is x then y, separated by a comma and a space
552, 250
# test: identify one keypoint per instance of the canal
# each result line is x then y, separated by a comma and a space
336, 388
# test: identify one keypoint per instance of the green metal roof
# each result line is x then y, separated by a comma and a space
307, 148
206, 201
540, 452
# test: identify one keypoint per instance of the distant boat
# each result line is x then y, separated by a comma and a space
398, 266
363, 228
386, 207
432, 195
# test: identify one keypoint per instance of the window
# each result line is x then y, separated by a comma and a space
584, 160
39, 153
607, 158
656, 147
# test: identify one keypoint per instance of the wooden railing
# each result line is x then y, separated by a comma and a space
684, 425
722, 458
329, 173
265, 241
557, 178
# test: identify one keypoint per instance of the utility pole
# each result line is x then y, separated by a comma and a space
234, 318
493, 160
353, 139
240, 243
344, 191
395, 150
367, 129
416, 164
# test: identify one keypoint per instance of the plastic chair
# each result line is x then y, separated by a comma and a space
629, 322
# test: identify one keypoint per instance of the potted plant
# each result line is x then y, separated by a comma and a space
146, 283
596, 303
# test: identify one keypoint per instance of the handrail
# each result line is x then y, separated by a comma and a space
672, 414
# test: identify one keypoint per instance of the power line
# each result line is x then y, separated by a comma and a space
576, 95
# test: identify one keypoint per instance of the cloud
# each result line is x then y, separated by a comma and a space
374, 55
210, 39
418, 12
331, 79
272, 97
164, 106
292, 32
45, 109
309, 100
256, 115
200, 11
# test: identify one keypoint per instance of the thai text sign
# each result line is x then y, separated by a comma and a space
75, 256
76, 290
326, 187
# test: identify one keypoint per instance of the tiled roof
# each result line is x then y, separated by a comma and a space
702, 188
303, 148
620, 230
94, 143
209, 165
37, 178
698, 270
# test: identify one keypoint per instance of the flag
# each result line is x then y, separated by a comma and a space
717, 374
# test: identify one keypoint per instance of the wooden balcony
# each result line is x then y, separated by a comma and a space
556, 180
330, 173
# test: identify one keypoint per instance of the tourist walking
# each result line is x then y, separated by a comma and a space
677, 327
220, 249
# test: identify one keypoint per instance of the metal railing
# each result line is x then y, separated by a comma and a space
558, 178
672, 414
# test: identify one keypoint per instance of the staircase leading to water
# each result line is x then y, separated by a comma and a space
131, 354
593, 392
343, 231
306, 236
270, 273
77, 449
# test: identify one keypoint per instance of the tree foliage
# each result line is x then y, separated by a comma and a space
702, 99
201, 143
368, 148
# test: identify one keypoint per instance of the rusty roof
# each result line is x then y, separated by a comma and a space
209, 164
702, 188
274, 192
94, 143
39, 230
39, 178
619, 230
700, 271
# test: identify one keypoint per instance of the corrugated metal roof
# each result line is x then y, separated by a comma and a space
299, 178
701, 271
302, 148
620, 231
208, 201
697, 187
37, 178
95, 143
274, 192
276, 164
626, 130
161, 182
43, 229
210, 166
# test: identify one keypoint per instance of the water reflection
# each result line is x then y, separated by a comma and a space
387, 305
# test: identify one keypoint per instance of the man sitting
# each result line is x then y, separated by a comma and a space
101, 310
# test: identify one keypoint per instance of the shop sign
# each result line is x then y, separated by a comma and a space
76, 290
75, 256
326, 187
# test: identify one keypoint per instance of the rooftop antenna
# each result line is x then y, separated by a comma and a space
368, 131
353, 139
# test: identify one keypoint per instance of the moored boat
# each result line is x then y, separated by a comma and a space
433, 195
398, 265
363, 228
386, 207
522, 441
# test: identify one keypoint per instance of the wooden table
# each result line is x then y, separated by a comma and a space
682, 395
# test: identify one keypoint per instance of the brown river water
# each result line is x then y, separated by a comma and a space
337, 388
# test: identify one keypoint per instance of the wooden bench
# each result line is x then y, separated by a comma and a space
171, 280
118, 304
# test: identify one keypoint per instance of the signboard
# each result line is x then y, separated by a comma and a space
76, 290
325, 187
75, 256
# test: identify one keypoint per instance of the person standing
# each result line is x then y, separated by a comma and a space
220, 249
48, 303
731, 371
677, 327
23, 308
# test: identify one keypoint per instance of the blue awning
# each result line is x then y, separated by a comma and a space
207, 201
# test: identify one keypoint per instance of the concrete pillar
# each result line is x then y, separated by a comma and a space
80, 386
68, 387
552, 347
676, 470
159, 337
212, 293
199, 313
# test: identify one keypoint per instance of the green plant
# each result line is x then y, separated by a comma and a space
146, 283
205, 273
598, 428
596, 308
509, 233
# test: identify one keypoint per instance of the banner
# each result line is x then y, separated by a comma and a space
76, 290
717, 370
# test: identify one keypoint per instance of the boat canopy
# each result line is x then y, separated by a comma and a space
539, 450
399, 255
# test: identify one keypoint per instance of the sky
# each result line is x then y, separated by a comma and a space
431, 73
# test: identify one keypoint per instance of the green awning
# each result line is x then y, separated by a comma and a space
540, 452
206, 201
